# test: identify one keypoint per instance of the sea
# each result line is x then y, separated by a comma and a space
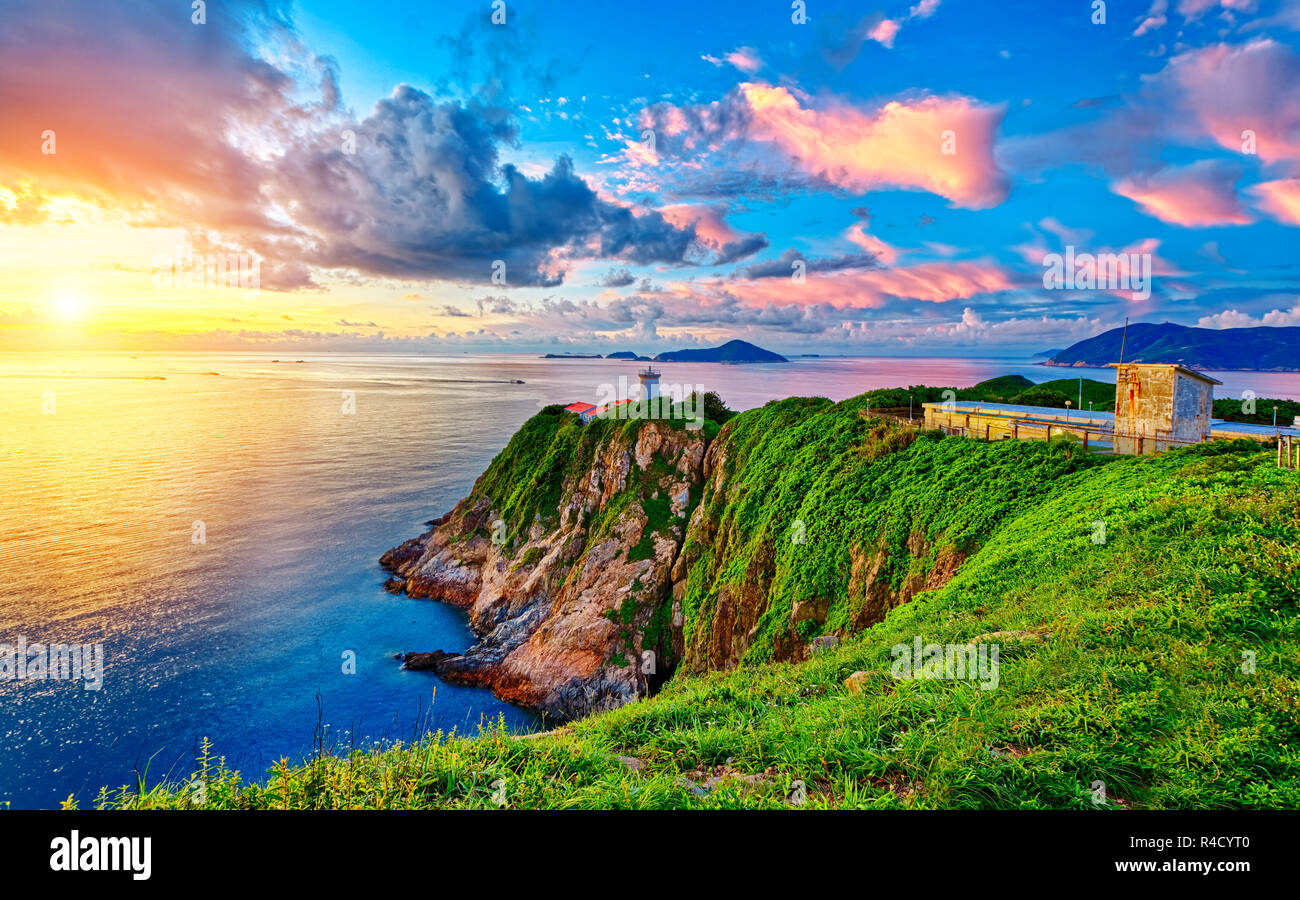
214, 522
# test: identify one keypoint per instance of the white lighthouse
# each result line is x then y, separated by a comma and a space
649, 382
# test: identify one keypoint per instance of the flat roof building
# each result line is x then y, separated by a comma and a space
1161, 405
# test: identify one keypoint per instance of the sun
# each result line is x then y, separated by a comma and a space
70, 307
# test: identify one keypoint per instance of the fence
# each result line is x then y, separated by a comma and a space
1092, 437
1288, 452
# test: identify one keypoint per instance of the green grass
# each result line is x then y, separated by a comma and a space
1125, 661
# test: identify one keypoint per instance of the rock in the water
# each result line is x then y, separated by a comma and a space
427, 661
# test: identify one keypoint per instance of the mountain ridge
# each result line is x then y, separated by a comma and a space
1257, 349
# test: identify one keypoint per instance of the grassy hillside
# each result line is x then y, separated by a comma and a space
815, 493
1160, 661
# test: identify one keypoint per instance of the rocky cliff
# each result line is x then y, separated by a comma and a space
561, 555
808, 521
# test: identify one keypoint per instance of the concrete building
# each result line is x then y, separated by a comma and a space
1160, 406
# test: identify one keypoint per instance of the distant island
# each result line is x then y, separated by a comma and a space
628, 354
730, 352
1261, 349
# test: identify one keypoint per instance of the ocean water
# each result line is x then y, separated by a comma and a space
297, 475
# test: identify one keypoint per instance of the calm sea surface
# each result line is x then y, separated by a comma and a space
108, 462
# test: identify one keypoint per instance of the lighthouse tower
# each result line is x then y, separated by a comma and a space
649, 382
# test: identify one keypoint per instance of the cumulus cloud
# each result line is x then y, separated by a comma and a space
1225, 91
617, 278
902, 144
415, 189
424, 195
1232, 318
1244, 98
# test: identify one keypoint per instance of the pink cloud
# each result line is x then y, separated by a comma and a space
900, 144
746, 59
708, 221
932, 282
1226, 91
1197, 196
712, 231
873, 245
1280, 199
1155, 18
884, 32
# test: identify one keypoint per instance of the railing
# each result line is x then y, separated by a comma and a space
1091, 436
1288, 452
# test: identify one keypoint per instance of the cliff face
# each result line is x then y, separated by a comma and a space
808, 521
561, 555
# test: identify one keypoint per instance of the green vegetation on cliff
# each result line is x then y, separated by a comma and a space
1145, 609
817, 495
524, 482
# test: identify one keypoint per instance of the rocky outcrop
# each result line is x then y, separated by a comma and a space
569, 600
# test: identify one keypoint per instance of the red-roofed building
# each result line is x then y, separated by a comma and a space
587, 411
584, 411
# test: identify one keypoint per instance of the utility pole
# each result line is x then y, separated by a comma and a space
1080, 392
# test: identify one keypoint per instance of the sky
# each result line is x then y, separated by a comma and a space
511, 176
